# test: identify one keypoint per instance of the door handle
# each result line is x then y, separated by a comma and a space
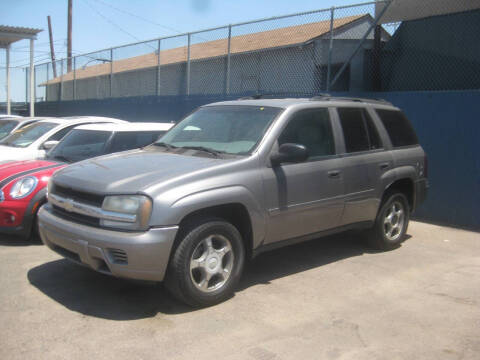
384, 166
334, 174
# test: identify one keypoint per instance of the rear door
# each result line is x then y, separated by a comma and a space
305, 198
363, 163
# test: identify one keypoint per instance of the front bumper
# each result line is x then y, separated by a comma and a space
15, 218
134, 255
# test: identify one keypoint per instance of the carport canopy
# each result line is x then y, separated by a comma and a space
9, 35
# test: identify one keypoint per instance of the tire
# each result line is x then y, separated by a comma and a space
391, 223
207, 264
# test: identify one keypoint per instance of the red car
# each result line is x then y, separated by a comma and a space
22, 192
23, 184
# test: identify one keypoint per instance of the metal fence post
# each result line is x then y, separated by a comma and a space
228, 58
188, 64
158, 68
74, 78
46, 86
8, 78
111, 72
61, 81
26, 84
330, 47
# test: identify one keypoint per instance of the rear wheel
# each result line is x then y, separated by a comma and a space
391, 223
207, 263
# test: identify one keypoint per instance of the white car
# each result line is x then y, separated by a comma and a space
10, 124
88, 141
2, 116
34, 140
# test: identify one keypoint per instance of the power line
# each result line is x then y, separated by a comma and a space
138, 17
110, 22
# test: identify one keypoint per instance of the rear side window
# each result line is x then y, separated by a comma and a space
398, 128
358, 130
123, 141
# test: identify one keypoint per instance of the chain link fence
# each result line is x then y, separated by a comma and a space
337, 49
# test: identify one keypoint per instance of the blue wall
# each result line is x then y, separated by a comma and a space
447, 124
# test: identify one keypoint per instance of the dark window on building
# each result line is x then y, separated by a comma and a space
312, 129
398, 128
358, 130
123, 141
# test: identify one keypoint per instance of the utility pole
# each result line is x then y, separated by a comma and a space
69, 37
52, 50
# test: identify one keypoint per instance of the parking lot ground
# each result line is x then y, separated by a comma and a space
326, 299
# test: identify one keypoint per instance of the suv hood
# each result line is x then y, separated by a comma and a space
130, 172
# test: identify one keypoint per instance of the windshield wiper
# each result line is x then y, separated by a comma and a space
204, 149
165, 145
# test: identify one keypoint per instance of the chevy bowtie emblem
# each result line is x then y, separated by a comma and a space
68, 205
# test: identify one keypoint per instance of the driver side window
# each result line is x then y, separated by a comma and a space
311, 128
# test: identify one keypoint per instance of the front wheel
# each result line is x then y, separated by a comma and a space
391, 223
207, 263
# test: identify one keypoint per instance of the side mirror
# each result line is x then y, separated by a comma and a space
47, 145
293, 153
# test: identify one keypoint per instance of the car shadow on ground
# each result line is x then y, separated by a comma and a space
93, 294
7, 240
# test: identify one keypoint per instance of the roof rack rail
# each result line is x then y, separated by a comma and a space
326, 97
263, 96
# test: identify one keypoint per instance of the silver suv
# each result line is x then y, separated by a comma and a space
234, 179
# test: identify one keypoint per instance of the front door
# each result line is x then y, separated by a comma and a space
305, 198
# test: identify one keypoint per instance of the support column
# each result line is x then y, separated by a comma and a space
32, 82
8, 79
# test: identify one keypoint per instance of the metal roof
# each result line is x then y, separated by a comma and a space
271, 39
11, 34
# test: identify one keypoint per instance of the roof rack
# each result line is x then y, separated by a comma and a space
259, 96
327, 97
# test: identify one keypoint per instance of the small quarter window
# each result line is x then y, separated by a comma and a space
398, 128
358, 130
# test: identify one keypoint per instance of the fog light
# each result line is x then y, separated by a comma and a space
9, 218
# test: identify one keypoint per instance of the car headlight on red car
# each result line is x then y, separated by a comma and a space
23, 187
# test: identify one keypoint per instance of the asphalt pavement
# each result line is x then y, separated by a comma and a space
330, 298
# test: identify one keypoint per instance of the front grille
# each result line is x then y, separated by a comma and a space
118, 256
74, 217
79, 196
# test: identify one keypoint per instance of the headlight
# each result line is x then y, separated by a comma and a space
139, 206
23, 187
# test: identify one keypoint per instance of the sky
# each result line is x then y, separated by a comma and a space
99, 24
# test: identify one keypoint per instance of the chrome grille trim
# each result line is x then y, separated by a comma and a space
72, 206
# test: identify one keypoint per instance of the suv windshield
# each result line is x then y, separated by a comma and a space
80, 145
228, 129
6, 126
27, 135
